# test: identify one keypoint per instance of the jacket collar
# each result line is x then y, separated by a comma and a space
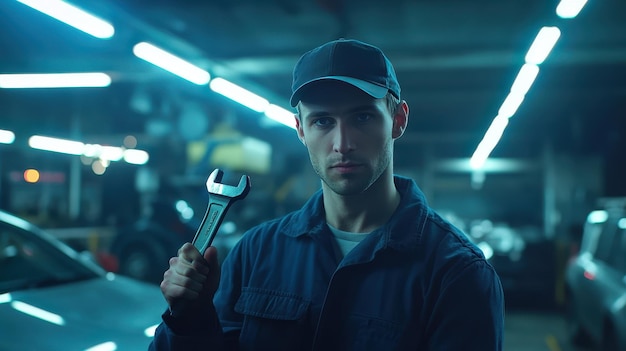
402, 232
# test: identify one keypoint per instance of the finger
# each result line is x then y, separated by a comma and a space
181, 269
211, 257
188, 252
174, 292
186, 283
178, 283
192, 256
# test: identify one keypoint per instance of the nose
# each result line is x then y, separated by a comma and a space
342, 138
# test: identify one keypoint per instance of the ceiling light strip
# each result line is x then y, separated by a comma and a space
489, 142
537, 53
71, 147
55, 80
525, 79
239, 94
171, 63
281, 115
542, 45
570, 8
6, 136
73, 16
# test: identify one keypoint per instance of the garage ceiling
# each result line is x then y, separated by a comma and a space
455, 60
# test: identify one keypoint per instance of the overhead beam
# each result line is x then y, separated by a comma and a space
265, 65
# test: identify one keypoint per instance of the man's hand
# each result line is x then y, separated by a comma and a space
192, 278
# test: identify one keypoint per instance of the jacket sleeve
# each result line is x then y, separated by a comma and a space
469, 313
199, 332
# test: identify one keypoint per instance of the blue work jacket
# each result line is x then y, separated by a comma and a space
416, 283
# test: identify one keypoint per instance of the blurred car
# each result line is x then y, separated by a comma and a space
142, 249
455, 220
525, 261
596, 280
54, 298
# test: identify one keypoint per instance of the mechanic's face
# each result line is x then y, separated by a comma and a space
349, 136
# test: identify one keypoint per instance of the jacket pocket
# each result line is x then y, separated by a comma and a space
273, 320
375, 334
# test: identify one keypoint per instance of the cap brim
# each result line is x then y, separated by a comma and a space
374, 90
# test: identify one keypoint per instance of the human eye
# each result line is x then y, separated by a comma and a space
364, 116
322, 122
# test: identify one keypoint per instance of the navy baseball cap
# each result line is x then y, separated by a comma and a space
351, 61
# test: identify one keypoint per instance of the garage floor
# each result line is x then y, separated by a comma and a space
536, 331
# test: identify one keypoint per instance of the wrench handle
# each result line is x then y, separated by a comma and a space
213, 217
215, 213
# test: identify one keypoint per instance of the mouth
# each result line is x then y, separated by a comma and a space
345, 167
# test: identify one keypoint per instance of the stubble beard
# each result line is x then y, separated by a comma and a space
353, 184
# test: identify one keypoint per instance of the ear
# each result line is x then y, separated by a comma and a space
299, 130
400, 120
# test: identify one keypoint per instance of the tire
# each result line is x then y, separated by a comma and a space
576, 333
142, 261
609, 339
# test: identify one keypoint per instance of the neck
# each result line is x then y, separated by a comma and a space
364, 212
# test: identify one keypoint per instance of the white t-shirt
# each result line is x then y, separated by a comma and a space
346, 241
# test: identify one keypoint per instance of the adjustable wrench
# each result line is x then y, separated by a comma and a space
221, 196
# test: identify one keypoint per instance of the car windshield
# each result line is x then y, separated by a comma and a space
28, 260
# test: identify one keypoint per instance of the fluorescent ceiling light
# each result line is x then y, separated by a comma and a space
499, 165
92, 150
543, 44
281, 115
137, 157
6, 136
171, 63
54, 80
103, 153
525, 79
5, 298
239, 94
64, 146
489, 142
598, 216
570, 8
111, 153
510, 105
72, 15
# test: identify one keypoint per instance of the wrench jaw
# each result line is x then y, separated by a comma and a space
214, 187
214, 181
244, 187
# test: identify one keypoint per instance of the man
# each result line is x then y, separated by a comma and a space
364, 265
